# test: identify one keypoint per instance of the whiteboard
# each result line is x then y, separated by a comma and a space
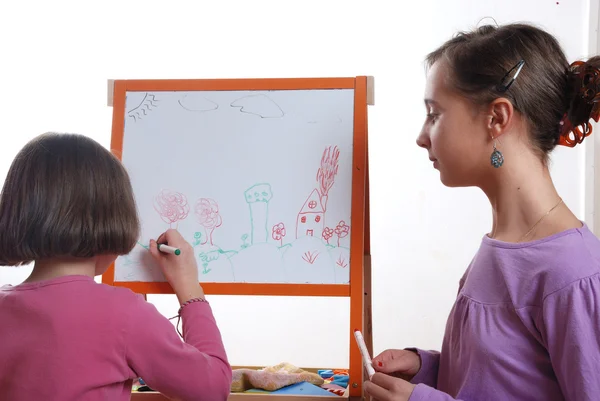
258, 182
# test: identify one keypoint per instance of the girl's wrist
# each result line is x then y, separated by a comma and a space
193, 293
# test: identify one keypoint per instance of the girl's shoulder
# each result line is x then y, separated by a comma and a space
533, 270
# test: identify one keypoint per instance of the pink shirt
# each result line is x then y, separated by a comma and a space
72, 339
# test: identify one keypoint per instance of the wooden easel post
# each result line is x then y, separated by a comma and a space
367, 319
368, 316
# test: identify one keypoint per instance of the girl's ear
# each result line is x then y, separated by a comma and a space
499, 117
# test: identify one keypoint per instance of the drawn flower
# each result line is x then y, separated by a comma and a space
342, 230
278, 232
172, 206
327, 234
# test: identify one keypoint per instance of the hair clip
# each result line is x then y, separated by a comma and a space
503, 86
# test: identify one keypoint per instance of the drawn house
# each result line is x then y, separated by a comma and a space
310, 219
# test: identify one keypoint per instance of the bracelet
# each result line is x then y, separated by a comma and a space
190, 301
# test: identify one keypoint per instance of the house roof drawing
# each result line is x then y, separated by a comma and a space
313, 200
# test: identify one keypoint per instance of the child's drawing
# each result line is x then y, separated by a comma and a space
144, 103
208, 216
341, 230
279, 232
197, 103
310, 219
207, 213
327, 234
315, 254
310, 257
172, 206
327, 172
341, 262
244, 243
258, 197
259, 105
292, 224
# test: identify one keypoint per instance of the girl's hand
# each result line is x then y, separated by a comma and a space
383, 387
398, 363
181, 271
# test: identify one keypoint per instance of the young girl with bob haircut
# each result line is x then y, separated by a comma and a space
526, 321
67, 206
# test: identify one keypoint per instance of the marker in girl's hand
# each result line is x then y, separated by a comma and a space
364, 352
168, 249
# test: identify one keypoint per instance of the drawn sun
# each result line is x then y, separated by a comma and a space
144, 103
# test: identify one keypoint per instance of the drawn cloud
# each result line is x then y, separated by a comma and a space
259, 105
141, 104
197, 103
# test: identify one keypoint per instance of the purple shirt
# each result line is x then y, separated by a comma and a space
525, 325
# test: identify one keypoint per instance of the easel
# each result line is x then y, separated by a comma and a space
359, 289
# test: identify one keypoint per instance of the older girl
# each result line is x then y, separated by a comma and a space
526, 321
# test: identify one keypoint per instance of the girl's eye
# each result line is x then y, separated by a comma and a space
431, 117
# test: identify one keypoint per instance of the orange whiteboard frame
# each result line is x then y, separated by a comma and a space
359, 236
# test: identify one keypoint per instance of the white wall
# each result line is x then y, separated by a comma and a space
58, 55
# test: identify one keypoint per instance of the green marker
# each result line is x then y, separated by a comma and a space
168, 249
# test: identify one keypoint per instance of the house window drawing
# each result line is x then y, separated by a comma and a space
313, 208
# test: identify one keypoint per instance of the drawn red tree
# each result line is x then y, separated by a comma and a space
342, 230
172, 206
207, 213
327, 234
278, 232
327, 172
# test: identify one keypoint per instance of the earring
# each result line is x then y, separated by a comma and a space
497, 158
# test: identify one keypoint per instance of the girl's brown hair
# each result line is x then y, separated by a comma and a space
65, 196
544, 90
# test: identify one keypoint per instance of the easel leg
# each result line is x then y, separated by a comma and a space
367, 311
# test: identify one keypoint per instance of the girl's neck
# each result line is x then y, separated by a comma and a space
53, 268
522, 195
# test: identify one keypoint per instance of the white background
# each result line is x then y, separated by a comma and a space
57, 56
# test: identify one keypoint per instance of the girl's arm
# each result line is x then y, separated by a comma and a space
193, 369
569, 325
430, 363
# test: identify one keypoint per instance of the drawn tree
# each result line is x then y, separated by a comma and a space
172, 206
258, 197
342, 230
278, 232
327, 172
207, 213
327, 234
